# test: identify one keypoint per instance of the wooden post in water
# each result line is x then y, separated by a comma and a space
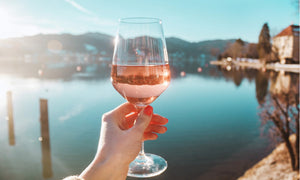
45, 139
11, 131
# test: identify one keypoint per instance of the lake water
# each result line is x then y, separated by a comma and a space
214, 131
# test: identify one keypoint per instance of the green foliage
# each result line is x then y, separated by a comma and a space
264, 46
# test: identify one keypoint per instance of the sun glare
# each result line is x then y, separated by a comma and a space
3, 16
116, 40
5, 85
6, 23
14, 25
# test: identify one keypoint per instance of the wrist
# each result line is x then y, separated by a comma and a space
106, 168
113, 164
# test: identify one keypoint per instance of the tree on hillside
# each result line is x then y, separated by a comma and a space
240, 42
251, 51
236, 49
264, 46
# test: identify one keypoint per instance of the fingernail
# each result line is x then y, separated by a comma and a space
148, 110
167, 120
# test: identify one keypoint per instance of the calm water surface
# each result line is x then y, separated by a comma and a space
213, 130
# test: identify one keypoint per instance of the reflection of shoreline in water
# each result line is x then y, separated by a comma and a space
277, 83
45, 139
266, 81
281, 84
94, 71
295, 68
11, 132
279, 114
246, 86
63, 71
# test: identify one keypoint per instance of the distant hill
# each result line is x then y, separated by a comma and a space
97, 42
70, 43
196, 48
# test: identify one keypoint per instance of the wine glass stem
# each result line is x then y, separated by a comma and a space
142, 153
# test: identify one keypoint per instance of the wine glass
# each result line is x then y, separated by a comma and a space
140, 73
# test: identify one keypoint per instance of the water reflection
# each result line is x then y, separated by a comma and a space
261, 86
281, 83
237, 74
55, 70
45, 139
280, 114
241, 89
278, 96
266, 82
10, 118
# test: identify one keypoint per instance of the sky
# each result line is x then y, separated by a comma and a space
191, 20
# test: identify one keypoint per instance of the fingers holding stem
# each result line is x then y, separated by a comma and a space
156, 124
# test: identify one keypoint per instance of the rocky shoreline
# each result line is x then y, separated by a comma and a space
276, 166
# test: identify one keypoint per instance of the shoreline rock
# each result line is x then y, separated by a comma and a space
276, 166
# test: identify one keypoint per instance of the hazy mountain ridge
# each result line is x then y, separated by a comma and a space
39, 44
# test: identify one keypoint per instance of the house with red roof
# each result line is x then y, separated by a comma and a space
286, 43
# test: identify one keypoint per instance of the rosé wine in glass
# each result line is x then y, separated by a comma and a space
140, 85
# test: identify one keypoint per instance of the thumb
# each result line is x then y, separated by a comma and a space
144, 119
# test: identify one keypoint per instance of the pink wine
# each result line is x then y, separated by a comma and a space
140, 85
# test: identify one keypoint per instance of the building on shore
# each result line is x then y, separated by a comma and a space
286, 43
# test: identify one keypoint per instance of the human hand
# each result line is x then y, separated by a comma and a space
122, 132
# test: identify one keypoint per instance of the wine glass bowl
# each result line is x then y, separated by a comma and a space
140, 85
140, 73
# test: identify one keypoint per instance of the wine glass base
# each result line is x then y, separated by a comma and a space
149, 165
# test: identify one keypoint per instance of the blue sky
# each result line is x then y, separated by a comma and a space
192, 20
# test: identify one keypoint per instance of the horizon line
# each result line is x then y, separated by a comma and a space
78, 34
